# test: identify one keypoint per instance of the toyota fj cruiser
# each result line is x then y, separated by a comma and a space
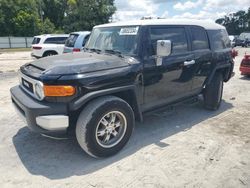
125, 70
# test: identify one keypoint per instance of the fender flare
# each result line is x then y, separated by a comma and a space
83, 100
227, 74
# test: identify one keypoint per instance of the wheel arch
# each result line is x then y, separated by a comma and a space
127, 93
50, 51
226, 71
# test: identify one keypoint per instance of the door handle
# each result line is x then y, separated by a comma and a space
186, 63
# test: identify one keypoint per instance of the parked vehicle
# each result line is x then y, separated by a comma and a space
126, 69
232, 40
48, 45
76, 41
243, 40
246, 42
245, 65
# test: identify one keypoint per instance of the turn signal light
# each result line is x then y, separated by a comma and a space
58, 91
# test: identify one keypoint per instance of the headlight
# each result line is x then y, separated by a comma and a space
39, 91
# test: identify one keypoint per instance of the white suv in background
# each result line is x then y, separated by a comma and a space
47, 45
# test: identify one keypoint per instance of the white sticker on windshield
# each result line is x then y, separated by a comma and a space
129, 30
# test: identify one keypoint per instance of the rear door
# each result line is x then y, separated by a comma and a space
60, 42
202, 57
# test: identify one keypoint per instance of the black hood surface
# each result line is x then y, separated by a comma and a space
81, 62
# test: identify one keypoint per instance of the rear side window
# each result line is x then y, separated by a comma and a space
36, 40
55, 40
219, 39
176, 35
71, 40
199, 38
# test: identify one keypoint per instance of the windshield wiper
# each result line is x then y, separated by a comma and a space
116, 52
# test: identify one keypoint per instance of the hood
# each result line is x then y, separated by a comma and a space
81, 62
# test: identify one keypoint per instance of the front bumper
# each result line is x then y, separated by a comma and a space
42, 117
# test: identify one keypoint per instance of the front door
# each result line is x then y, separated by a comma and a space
172, 80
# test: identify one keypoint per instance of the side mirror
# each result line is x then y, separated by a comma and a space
163, 48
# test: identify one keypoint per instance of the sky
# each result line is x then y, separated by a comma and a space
196, 9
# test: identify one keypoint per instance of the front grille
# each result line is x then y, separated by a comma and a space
28, 84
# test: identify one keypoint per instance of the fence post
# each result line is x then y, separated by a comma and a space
26, 42
9, 41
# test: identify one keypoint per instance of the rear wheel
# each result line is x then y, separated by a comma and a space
213, 92
105, 126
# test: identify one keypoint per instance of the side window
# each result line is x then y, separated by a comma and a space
60, 40
219, 39
199, 38
176, 35
55, 40
36, 40
49, 41
225, 39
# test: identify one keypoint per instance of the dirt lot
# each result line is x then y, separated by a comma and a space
183, 147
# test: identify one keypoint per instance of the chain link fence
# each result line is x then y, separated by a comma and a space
15, 42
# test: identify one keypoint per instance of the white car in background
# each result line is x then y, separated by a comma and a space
232, 40
47, 45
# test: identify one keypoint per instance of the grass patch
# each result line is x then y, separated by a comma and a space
15, 50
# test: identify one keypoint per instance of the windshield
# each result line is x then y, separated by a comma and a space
70, 42
121, 39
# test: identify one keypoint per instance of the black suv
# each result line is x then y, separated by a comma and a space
125, 70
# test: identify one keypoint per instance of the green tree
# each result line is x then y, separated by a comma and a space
27, 24
54, 10
19, 17
33, 17
236, 23
48, 27
84, 14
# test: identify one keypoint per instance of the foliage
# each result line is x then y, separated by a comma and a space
26, 24
236, 23
48, 26
33, 17
83, 15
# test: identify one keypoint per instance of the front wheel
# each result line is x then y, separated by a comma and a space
105, 126
213, 92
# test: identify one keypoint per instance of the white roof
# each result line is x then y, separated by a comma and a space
203, 23
53, 35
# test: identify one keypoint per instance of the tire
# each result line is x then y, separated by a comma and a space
213, 92
49, 53
89, 125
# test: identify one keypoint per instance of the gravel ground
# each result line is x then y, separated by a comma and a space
10, 62
186, 146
